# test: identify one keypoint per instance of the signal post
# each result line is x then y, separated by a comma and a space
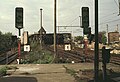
19, 26
85, 26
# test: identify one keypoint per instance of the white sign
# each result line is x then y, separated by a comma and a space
27, 48
67, 47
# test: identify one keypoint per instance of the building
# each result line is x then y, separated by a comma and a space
113, 37
61, 38
42, 31
37, 37
34, 38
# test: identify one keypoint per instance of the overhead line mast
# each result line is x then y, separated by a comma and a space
96, 57
55, 21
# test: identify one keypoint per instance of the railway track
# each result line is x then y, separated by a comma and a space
115, 60
77, 56
70, 55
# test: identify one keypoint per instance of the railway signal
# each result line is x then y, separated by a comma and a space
85, 20
19, 26
106, 55
85, 26
19, 18
91, 38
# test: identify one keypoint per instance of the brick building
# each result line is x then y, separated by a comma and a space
113, 37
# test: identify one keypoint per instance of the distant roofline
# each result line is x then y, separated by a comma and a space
113, 32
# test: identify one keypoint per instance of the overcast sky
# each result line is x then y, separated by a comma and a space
68, 12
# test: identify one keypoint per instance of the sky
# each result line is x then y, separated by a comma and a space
68, 12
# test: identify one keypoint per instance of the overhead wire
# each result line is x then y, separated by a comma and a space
82, 2
77, 18
73, 21
112, 14
116, 3
107, 21
108, 15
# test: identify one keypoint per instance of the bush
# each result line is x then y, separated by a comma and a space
3, 70
38, 57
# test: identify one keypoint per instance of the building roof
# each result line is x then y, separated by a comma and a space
42, 31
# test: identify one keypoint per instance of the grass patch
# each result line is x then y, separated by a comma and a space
87, 75
38, 57
72, 72
3, 70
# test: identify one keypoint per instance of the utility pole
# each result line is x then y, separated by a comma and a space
80, 21
96, 57
119, 6
55, 47
117, 28
107, 28
107, 33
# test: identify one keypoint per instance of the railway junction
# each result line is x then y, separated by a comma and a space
82, 69
54, 58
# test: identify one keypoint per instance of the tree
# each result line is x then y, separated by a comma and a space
5, 41
79, 38
102, 37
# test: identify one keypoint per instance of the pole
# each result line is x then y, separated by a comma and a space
85, 44
19, 32
58, 29
119, 7
55, 50
80, 21
107, 34
104, 71
41, 17
117, 28
19, 49
96, 59
41, 27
